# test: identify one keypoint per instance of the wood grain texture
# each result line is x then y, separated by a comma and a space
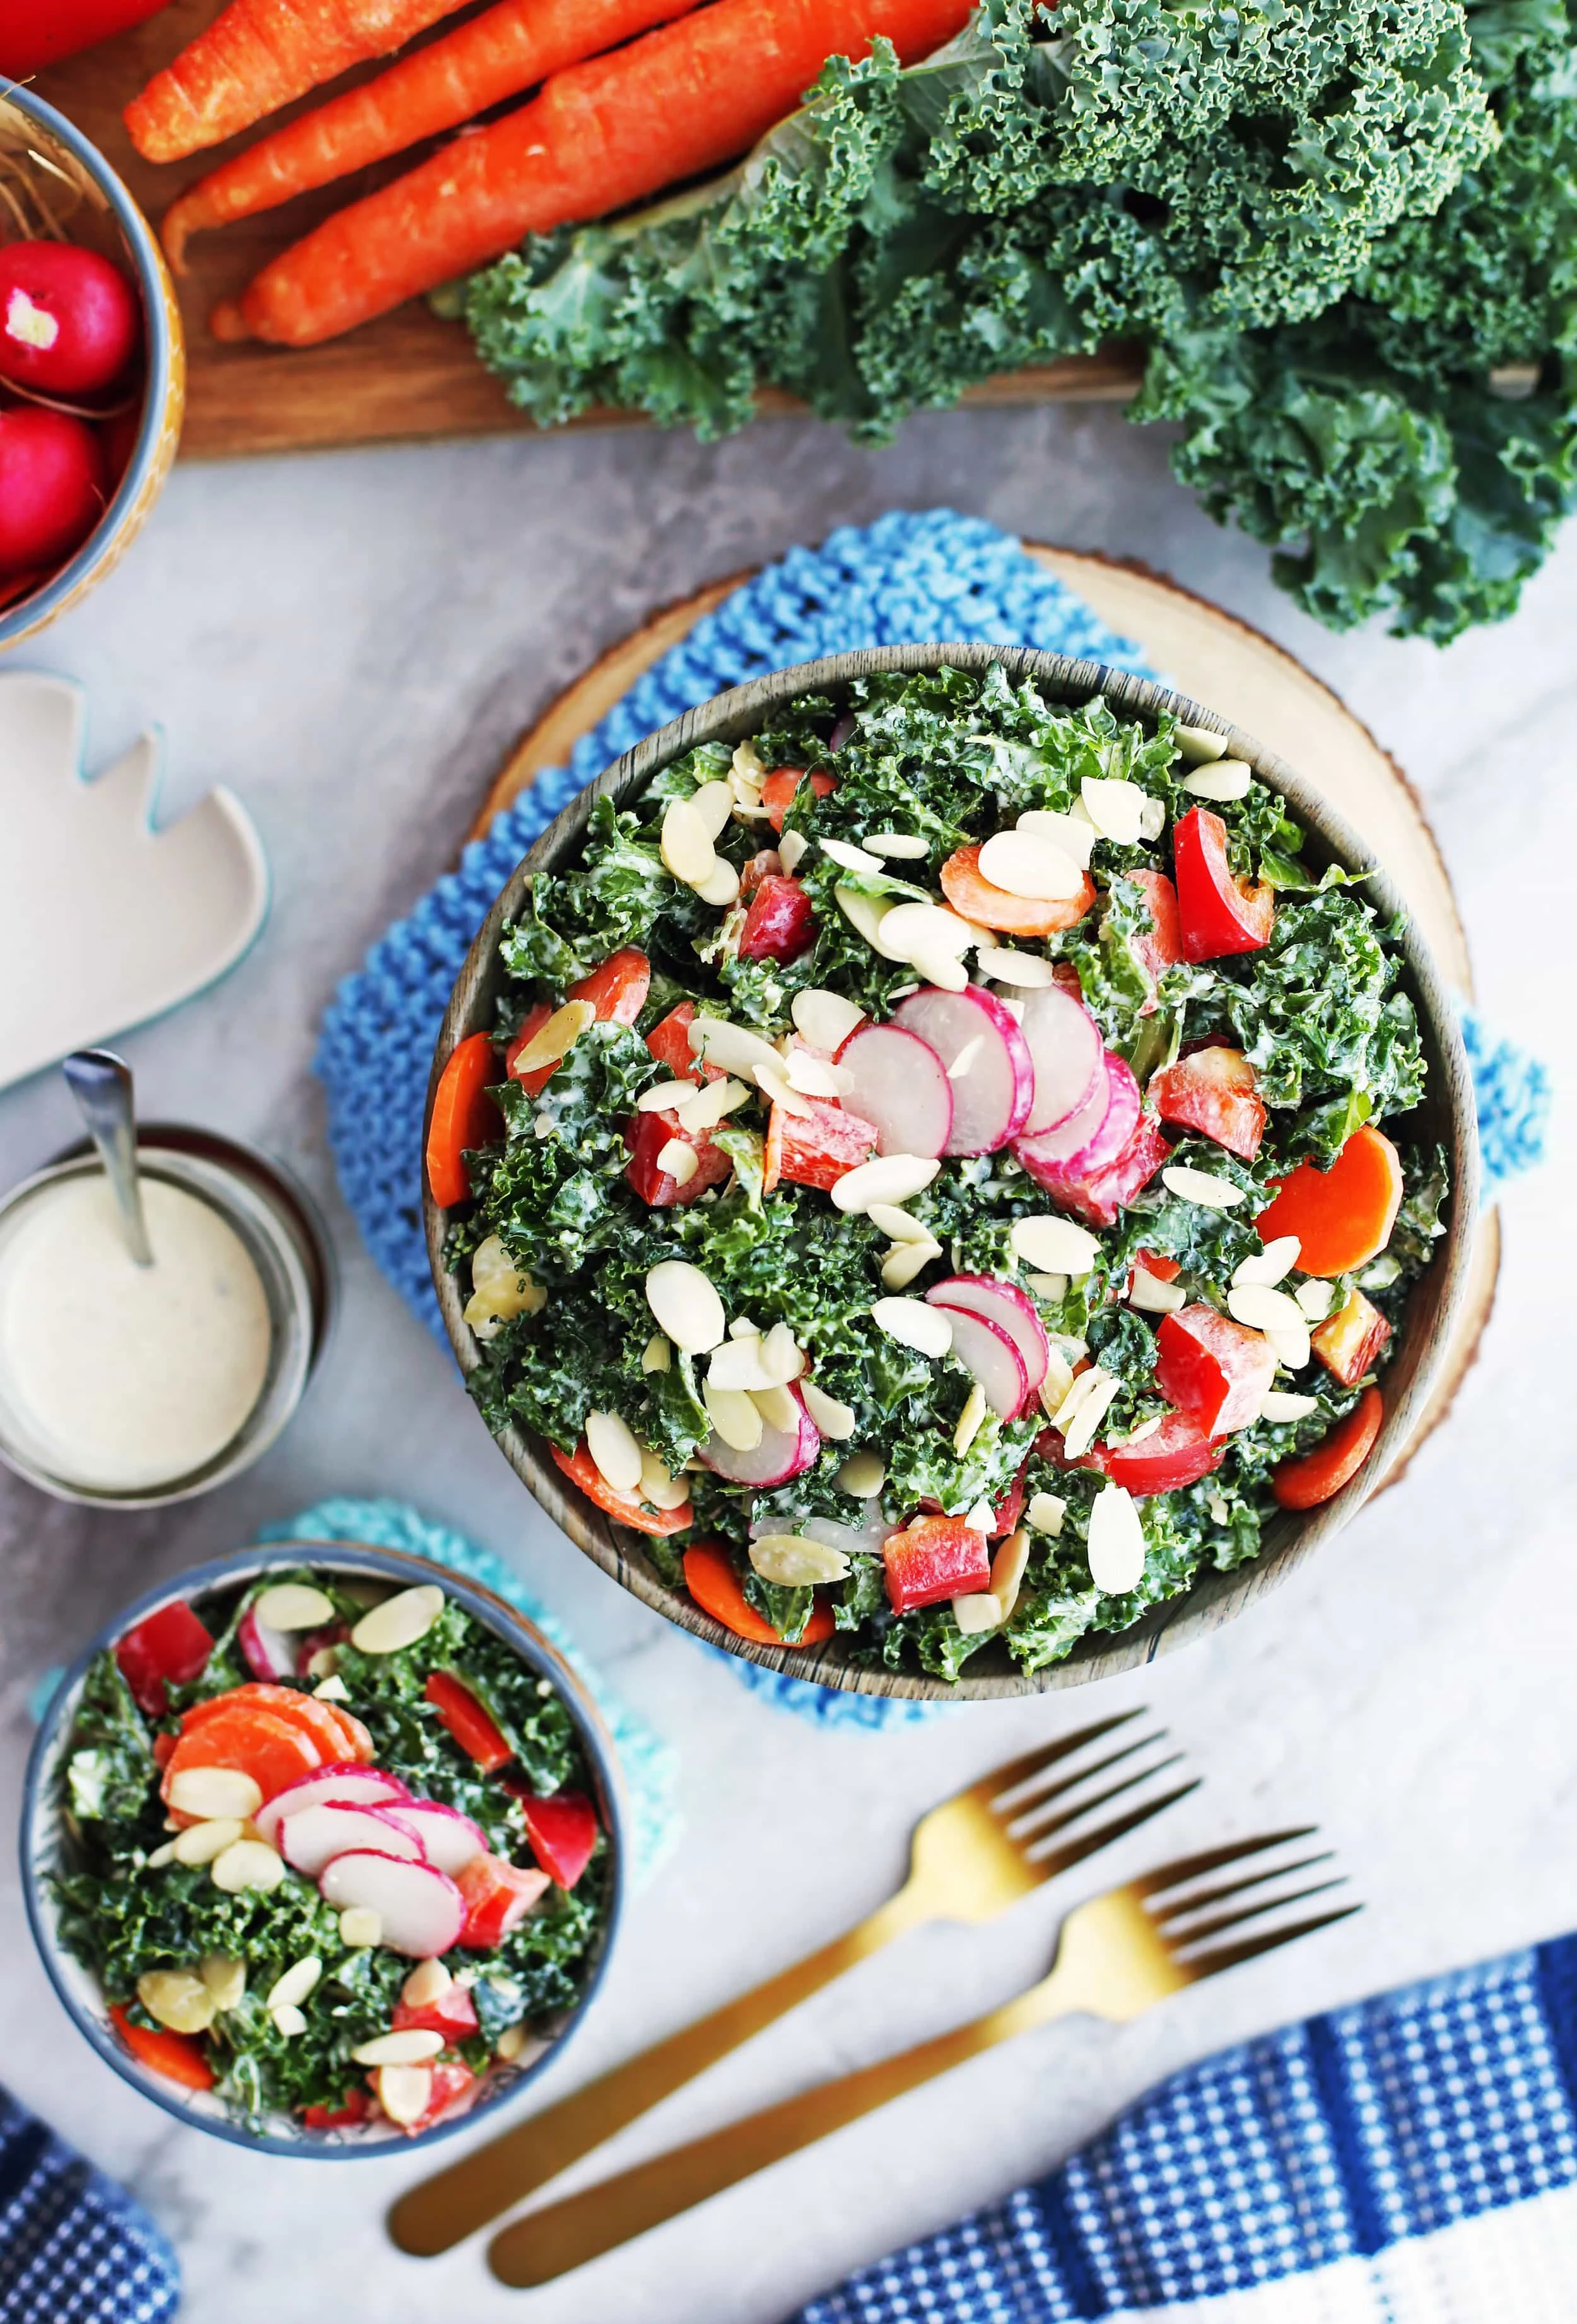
406, 376
1351, 779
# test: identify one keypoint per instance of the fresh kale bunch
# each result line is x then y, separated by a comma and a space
1342, 228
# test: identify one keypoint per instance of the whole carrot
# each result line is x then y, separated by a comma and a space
599, 136
486, 59
259, 54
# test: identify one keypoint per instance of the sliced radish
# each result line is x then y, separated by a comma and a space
310, 1836
984, 1348
900, 1083
1064, 1047
1005, 1305
420, 1910
1092, 1139
447, 1838
781, 1453
345, 1782
988, 1061
268, 1653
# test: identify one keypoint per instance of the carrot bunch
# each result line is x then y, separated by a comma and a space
611, 124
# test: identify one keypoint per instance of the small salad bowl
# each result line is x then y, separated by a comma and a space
1446, 1116
51, 1844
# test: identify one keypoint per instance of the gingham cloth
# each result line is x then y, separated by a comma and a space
908, 577
74, 2247
1411, 2160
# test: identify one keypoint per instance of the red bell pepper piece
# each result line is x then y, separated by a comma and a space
1155, 1263
816, 1149
779, 787
1178, 1453
563, 1833
452, 2082
1005, 1516
178, 2057
1343, 1217
1216, 1092
1161, 945
1104, 1193
498, 1897
464, 1117
35, 33
1219, 912
1310, 1478
477, 1734
935, 1558
647, 1135
452, 2014
1347, 1342
353, 2108
781, 922
168, 1648
669, 1043
1213, 1368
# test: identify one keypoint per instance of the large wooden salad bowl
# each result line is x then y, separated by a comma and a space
1446, 1115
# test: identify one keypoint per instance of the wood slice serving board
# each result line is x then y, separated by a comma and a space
1220, 661
408, 375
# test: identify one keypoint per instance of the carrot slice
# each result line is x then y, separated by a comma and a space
582, 1470
273, 1751
463, 1116
976, 899
177, 2056
1314, 1477
336, 1734
1341, 1216
714, 1586
778, 788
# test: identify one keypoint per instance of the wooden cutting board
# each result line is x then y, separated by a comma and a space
1223, 662
407, 376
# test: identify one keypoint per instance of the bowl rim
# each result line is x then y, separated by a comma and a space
1215, 1597
32, 611
408, 1566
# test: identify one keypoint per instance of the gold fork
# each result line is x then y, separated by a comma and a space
1116, 1957
971, 1858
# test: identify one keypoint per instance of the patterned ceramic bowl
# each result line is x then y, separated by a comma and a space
111, 221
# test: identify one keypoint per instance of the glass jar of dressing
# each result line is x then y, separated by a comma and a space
132, 1386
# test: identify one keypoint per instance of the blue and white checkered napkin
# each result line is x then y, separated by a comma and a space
74, 2247
1411, 2160
907, 577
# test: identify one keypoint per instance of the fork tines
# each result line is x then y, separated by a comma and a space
1034, 1810
1184, 1921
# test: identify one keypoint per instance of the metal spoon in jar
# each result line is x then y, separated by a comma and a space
101, 1083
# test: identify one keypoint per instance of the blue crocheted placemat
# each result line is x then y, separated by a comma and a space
74, 2247
908, 577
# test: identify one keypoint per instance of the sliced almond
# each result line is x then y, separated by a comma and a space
792, 846
398, 1622
1116, 1544
777, 1409
834, 1420
332, 1689
1073, 833
774, 1083
1281, 1408
208, 1792
657, 1486
849, 858
865, 915
288, 2021
1263, 1309
968, 1420
1008, 1569
1292, 1347
295, 1605
226, 1979
1024, 969
1055, 1387
405, 2093
891, 1178
687, 844
1314, 1298
944, 969
714, 803
900, 846
826, 1020
1228, 778
744, 1327
1151, 1297
656, 1356
413, 2045
614, 1450
1031, 863
665, 1097
782, 1356
896, 1224
556, 1038
360, 1926
747, 764
510, 2043
1115, 807
1152, 819
1199, 744
1055, 1243
734, 1048
794, 1562
918, 932
427, 1981
178, 1999
1200, 1187
1083, 1426
1046, 1513
978, 1613
905, 1261
981, 1519
737, 1364
862, 1476
734, 1416
815, 1076
1277, 1259
1052, 1289
247, 1864
679, 1160
720, 888
928, 1330
703, 1109
290, 1990
686, 1306
200, 1843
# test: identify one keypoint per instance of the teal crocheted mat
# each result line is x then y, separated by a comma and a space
933, 575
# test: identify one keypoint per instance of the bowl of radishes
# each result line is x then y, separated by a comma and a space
949, 1168
92, 366
321, 1849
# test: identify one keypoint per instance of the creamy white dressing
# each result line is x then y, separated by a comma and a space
125, 1376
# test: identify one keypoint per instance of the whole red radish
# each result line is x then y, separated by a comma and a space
52, 488
69, 321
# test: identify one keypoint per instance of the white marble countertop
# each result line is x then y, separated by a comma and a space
353, 642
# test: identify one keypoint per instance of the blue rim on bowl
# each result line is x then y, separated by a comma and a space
165, 356
77, 1987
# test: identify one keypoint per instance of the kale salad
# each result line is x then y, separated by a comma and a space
333, 1850
928, 1176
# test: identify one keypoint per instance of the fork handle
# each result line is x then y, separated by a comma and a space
443, 2209
562, 2235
